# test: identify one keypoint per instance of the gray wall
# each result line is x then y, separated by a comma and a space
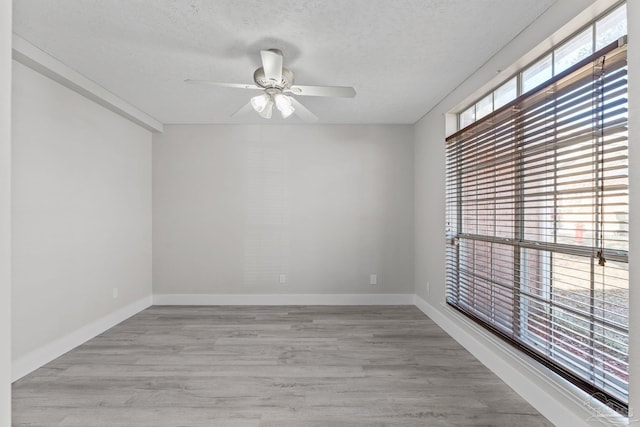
81, 206
5, 213
236, 206
633, 55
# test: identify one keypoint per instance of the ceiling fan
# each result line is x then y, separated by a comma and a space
276, 82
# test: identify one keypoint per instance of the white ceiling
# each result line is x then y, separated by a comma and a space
402, 56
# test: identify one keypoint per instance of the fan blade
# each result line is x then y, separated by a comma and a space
233, 85
333, 91
272, 64
244, 110
302, 111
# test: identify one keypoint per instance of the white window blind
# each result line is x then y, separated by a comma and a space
537, 223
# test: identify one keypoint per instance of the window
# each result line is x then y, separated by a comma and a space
611, 27
484, 106
468, 116
579, 47
599, 34
537, 221
506, 93
537, 74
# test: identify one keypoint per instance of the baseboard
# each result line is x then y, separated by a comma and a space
45, 354
560, 402
283, 299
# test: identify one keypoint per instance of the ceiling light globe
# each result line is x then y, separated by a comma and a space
283, 103
267, 110
260, 102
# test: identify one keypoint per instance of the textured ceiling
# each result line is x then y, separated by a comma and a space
402, 56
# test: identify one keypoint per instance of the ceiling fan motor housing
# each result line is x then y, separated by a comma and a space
285, 82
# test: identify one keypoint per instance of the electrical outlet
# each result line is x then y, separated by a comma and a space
283, 278
373, 279
115, 293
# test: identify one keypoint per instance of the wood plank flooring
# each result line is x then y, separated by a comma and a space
270, 367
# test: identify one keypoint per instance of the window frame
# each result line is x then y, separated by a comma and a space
453, 244
552, 52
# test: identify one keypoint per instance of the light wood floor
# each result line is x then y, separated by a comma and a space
270, 366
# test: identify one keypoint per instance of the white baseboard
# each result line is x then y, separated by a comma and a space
283, 299
556, 399
560, 402
45, 354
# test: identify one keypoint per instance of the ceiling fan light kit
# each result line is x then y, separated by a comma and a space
275, 81
263, 104
283, 104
